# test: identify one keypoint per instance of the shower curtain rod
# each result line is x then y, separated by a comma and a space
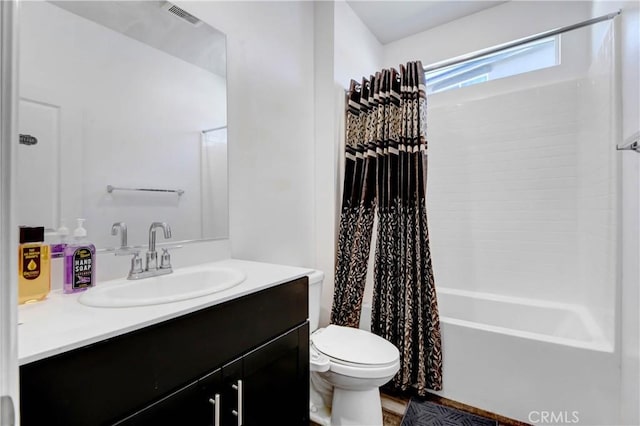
529, 39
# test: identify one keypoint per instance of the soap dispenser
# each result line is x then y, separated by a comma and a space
79, 262
57, 249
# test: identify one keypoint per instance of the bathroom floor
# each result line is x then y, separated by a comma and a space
394, 407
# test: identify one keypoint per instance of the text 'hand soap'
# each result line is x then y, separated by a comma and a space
79, 262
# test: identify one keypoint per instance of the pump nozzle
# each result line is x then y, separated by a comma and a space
80, 232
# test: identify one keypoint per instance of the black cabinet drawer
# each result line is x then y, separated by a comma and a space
104, 382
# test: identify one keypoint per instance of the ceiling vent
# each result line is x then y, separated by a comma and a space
182, 14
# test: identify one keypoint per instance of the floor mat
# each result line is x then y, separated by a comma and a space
426, 413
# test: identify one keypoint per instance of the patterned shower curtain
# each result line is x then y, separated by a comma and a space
385, 171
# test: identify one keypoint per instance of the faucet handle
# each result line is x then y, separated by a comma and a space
165, 259
136, 264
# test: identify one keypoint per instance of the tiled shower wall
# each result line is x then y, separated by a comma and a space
597, 180
502, 192
521, 189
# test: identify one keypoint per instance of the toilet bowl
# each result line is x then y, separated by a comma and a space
348, 365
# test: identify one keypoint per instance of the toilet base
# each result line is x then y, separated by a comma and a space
356, 407
320, 416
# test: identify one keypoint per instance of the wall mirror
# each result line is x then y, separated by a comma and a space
122, 117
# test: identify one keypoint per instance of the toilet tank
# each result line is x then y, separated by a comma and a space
315, 297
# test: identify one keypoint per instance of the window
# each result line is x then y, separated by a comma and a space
516, 60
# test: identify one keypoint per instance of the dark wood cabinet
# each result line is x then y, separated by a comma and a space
210, 400
251, 352
268, 383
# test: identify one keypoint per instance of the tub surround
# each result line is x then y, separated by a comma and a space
61, 323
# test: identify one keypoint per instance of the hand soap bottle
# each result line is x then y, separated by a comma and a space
79, 262
57, 249
34, 275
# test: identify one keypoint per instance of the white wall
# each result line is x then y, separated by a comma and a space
326, 179
131, 116
344, 49
358, 53
214, 183
270, 78
629, 290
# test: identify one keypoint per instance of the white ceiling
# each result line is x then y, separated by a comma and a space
392, 20
147, 22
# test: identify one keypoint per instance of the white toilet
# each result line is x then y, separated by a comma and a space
348, 365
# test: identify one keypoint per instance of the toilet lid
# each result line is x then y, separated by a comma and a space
354, 345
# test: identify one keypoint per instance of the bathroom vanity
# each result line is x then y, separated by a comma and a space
240, 356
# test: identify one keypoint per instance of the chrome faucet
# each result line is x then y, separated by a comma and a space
151, 268
152, 255
122, 228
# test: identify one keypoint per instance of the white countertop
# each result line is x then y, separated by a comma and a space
60, 323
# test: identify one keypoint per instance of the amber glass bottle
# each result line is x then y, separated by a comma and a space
34, 269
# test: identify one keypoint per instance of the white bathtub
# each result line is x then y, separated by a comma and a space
536, 361
561, 323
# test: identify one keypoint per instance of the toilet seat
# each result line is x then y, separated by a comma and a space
356, 353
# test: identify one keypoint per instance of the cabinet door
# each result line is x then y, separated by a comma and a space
276, 381
177, 408
197, 404
232, 393
269, 385
210, 400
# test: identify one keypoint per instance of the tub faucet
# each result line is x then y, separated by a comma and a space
152, 255
122, 228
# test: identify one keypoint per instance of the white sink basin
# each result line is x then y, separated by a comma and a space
182, 284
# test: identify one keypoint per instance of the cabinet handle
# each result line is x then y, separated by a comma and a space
238, 413
216, 409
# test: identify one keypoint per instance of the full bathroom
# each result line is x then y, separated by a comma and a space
320, 212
